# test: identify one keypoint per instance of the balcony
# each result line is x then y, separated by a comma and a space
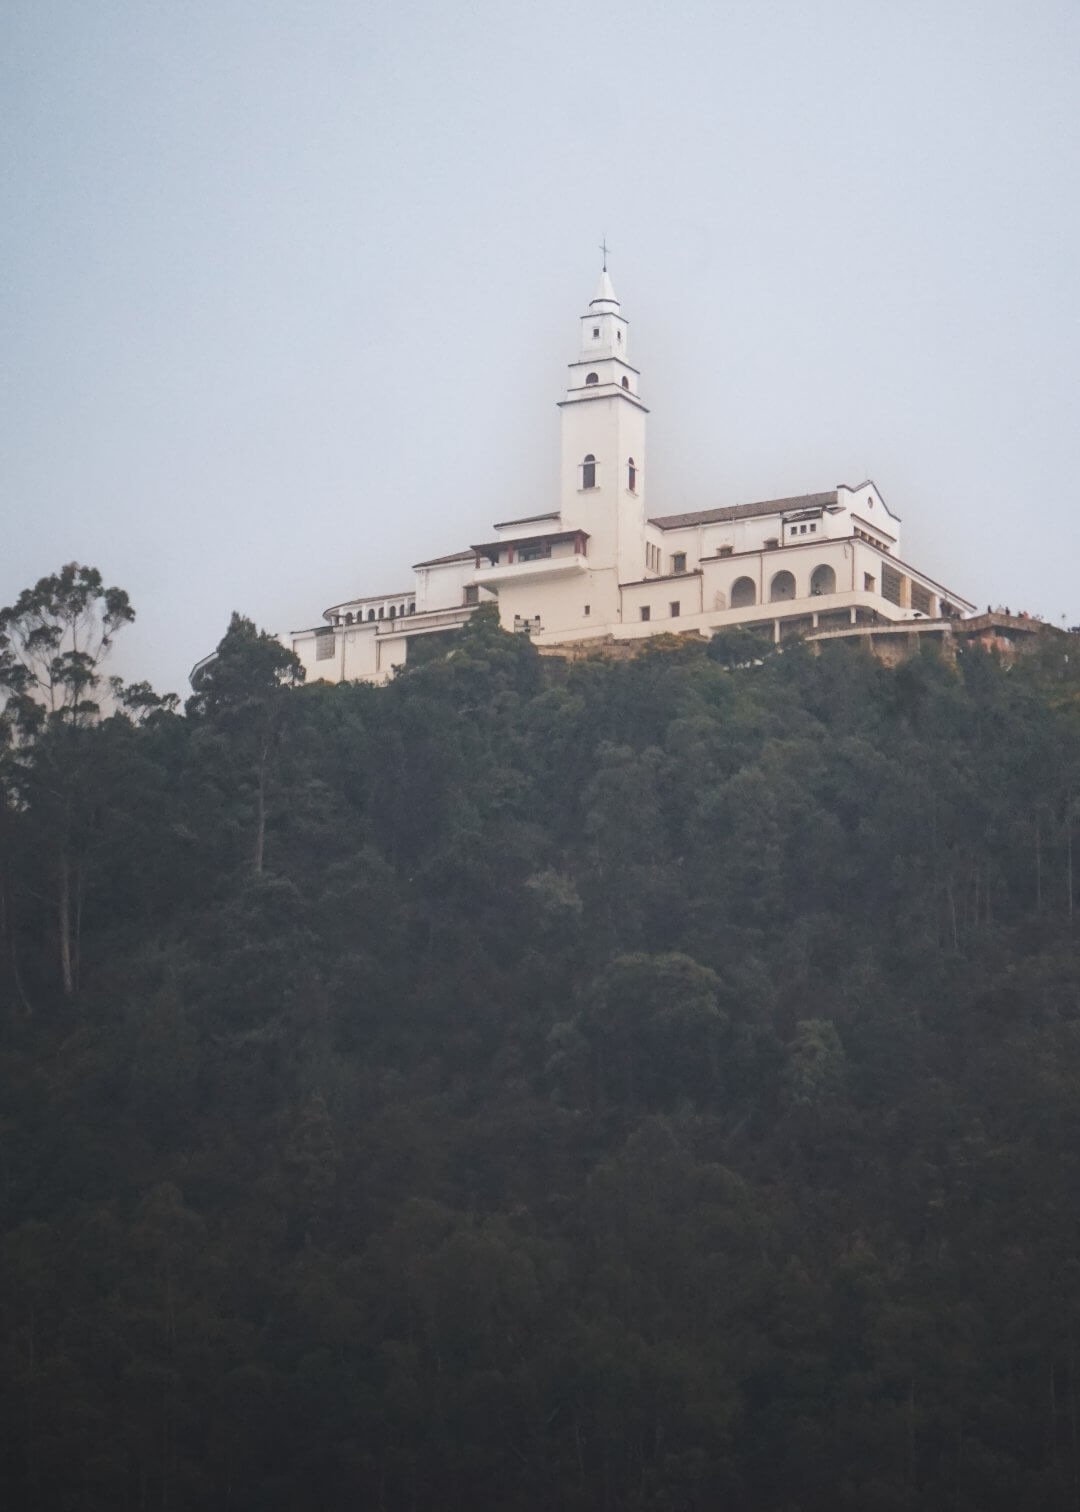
556, 554
529, 569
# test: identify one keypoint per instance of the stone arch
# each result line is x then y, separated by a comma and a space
591, 378
348, 617
823, 579
371, 614
743, 593
782, 587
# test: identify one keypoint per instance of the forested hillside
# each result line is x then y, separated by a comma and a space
645, 1085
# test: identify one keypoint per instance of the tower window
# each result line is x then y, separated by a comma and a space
596, 330
591, 378
626, 383
618, 335
588, 472
631, 476
588, 610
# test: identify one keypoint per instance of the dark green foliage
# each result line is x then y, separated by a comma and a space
647, 1085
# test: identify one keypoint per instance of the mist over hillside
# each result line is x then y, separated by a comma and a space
649, 1084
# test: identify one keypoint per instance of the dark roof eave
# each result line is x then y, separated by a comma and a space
444, 561
669, 577
732, 512
551, 537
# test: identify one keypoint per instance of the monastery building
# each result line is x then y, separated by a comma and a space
600, 568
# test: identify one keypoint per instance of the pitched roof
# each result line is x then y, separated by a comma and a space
455, 556
744, 511
552, 514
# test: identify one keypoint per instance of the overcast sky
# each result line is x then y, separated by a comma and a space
289, 288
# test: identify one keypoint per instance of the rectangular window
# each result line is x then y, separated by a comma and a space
802, 529
472, 593
534, 553
678, 562
813, 528
587, 611
726, 550
646, 612
869, 582
921, 599
324, 645
675, 609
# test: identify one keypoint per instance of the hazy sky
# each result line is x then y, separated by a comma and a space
289, 288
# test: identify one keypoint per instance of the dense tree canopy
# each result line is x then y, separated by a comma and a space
622, 1085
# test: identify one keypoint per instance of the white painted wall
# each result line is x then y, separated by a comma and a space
612, 429
443, 587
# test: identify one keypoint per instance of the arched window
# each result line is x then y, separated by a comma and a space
412, 607
588, 472
781, 587
823, 579
626, 383
631, 476
743, 593
591, 378
371, 614
393, 611
348, 618
381, 616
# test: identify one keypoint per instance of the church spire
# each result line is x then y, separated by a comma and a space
605, 297
603, 365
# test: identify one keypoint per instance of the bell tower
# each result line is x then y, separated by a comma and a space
603, 478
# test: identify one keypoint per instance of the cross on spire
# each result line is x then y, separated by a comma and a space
605, 249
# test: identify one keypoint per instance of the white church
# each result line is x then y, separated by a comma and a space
599, 568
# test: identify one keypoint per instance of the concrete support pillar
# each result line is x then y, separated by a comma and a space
776, 632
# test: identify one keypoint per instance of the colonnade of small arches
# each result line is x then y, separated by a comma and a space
384, 611
782, 586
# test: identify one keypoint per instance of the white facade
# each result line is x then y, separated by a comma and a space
599, 565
